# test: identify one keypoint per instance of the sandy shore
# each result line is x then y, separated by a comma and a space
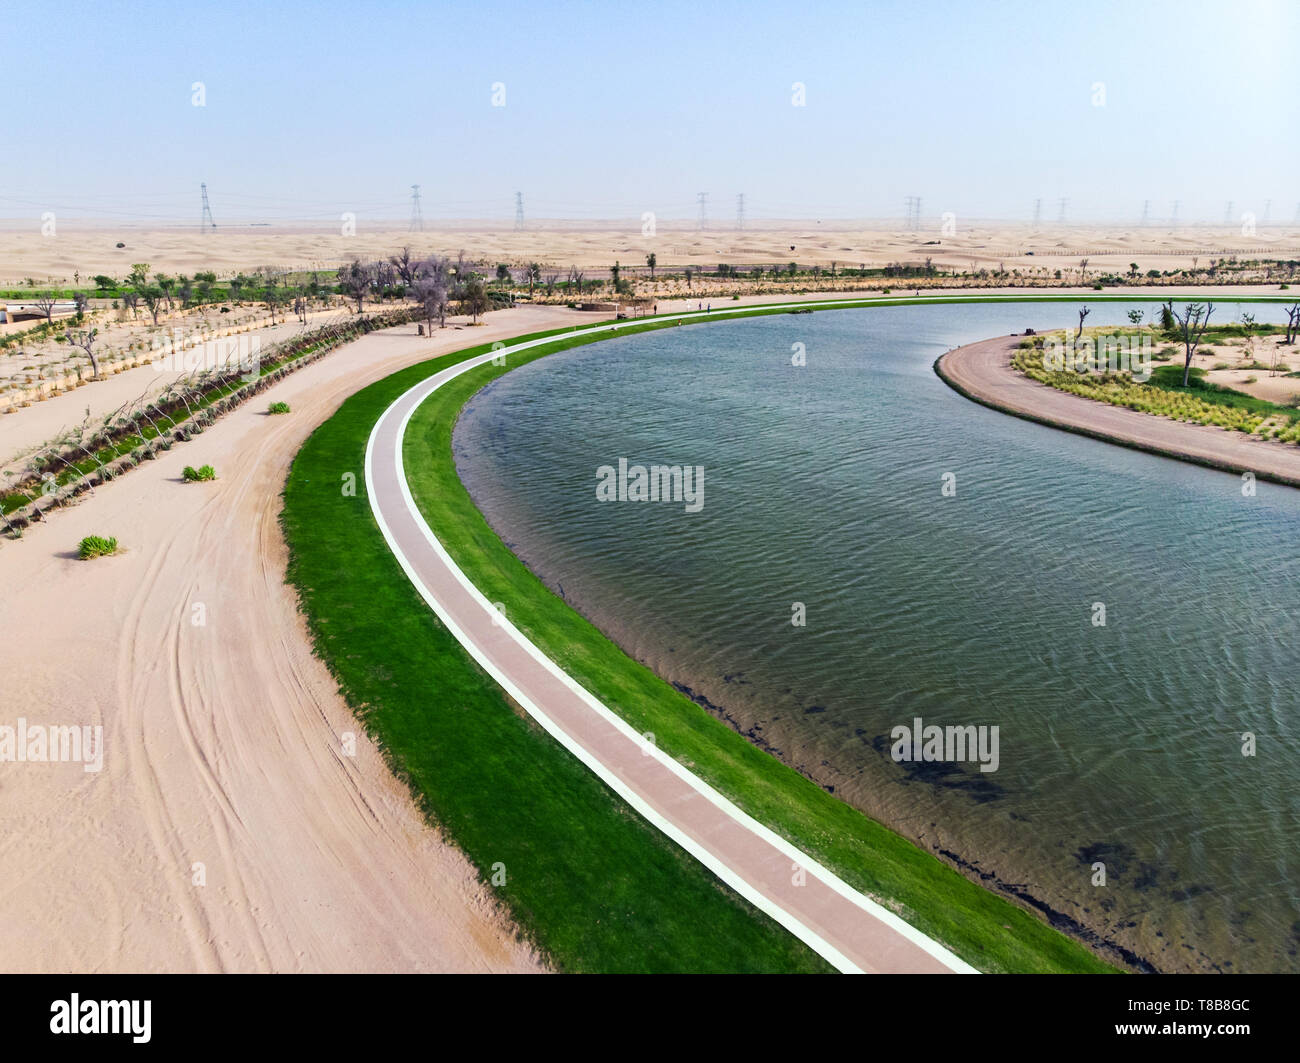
223, 739
982, 371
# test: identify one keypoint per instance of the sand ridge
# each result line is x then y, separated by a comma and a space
87, 248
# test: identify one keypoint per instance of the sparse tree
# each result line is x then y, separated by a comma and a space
407, 267
431, 292
1082, 314
1292, 322
1190, 327
203, 283
153, 299
272, 297
534, 276
652, 260
357, 281
474, 299
85, 339
45, 303
166, 283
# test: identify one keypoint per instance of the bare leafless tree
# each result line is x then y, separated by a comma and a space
1292, 322
407, 267
86, 341
357, 281
1190, 327
432, 283
1084, 312
45, 303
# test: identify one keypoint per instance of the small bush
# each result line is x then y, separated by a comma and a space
278, 407
96, 546
203, 472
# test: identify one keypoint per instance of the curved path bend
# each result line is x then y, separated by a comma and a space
982, 372
849, 930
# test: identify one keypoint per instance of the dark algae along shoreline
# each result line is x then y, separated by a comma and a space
823, 486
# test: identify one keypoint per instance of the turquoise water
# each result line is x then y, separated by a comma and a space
1118, 744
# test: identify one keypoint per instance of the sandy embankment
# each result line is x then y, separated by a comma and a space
24, 429
982, 372
222, 741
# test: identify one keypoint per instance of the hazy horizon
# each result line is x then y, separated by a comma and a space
1182, 103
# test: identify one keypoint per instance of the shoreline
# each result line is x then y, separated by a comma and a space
718, 760
982, 373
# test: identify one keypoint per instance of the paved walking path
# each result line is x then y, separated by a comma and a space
852, 932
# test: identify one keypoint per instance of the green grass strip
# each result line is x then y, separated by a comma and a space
592, 884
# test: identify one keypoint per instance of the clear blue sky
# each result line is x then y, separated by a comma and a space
616, 108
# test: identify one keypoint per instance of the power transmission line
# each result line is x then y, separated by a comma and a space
740, 210
703, 198
205, 219
912, 204
519, 211
417, 218
1038, 211
1061, 204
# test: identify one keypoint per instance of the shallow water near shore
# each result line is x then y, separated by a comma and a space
1118, 745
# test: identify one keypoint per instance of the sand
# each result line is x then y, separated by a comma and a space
89, 249
223, 744
222, 741
982, 371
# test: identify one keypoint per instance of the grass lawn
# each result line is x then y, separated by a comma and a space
594, 886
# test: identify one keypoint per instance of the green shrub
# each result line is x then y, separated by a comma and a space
278, 407
96, 546
203, 472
